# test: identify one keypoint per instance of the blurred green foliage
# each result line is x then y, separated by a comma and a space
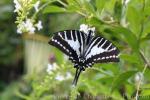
8, 37
127, 25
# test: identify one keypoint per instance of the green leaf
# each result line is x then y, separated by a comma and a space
110, 6
147, 4
53, 9
59, 55
129, 58
95, 22
146, 38
145, 90
134, 19
114, 68
147, 11
71, 2
144, 46
118, 10
146, 29
100, 5
89, 7
72, 6
121, 78
125, 35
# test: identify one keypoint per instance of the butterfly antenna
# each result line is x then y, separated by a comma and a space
78, 71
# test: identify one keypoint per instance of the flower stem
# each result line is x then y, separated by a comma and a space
138, 85
42, 7
145, 59
65, 5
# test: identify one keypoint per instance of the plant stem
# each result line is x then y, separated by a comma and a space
145, 59
42, 7
65, 5
81, 13
147, 65
139, 83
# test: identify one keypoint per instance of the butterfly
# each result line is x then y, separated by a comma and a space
84, 49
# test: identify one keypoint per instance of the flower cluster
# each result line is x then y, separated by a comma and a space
85, 28
28, 26
59, 76
17, 6
25, 20
51, 68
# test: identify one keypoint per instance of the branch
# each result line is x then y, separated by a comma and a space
139, 83
42, 7
145, 59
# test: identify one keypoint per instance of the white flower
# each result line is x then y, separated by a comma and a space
17, 6
29, 26
20, 28
26, 26
36, 5
139, 77
85, 28
55, 66
59, 77
39, 25
68, 75
127, 1
51, 67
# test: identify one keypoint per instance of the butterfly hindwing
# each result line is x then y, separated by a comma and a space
101, 50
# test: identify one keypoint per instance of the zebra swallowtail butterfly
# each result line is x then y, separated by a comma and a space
84, 49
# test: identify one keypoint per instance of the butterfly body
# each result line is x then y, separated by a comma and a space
84, 49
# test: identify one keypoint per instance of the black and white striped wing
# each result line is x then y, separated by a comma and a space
101, 50
70, 42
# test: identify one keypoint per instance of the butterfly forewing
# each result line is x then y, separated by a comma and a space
71, 42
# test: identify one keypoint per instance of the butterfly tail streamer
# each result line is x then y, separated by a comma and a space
78, 71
